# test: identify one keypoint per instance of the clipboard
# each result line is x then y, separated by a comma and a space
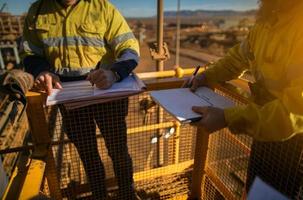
179, 102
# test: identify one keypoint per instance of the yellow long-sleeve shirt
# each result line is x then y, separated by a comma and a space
274, 54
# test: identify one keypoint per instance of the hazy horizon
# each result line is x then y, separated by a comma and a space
139, 8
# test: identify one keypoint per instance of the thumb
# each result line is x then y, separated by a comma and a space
200, 110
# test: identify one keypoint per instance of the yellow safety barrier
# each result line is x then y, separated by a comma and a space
194, 163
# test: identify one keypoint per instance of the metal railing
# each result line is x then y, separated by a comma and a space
43, 163
196, 165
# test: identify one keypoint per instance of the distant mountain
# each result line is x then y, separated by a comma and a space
210, 13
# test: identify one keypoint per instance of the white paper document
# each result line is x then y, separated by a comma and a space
79, 91
179, 102
262, 191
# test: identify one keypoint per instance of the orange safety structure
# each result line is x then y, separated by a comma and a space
195, 164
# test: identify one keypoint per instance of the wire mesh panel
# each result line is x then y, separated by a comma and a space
280, 164
124, 149
210, 191
120, 150
228, 158
235, 160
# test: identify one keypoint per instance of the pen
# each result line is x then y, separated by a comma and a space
189, 83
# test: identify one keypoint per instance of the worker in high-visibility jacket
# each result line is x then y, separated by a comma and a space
272, 53
69, 40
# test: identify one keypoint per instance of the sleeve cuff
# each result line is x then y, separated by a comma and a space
126, 63
233, 120
35, 65
124, 68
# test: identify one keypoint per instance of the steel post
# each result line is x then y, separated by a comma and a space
200, 160
177, 61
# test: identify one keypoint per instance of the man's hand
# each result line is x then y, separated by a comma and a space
198, 81
47, 81
213, 118
103, 79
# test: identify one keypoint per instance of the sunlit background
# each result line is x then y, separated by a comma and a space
138, 8
208, 28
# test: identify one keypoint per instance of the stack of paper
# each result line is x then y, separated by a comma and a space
77, 94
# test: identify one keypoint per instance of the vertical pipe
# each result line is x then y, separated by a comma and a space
2, 65
16, 54
160, 67
177, 141
202, 139
177, 61
160, 21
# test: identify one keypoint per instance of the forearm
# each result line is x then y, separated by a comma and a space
271, 122
229, 67
35, 65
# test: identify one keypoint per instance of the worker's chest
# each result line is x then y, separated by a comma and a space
74, 24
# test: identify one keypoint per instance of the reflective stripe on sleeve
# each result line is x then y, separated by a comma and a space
70, 72
79, 71
73, 41
122, 38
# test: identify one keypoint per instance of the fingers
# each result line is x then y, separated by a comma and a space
48, 84
195, 86
47, 81
39, 83
103, 79
185, 84
199, 80
57, 84
103, 85
96, 76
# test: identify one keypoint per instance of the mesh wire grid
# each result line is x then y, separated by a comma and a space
93, 155
232, 162
235, 160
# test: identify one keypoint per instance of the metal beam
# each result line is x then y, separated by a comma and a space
33, 180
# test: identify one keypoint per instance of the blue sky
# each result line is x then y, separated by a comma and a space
146, 8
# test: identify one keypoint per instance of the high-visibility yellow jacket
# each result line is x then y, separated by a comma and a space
75, 39
273, 52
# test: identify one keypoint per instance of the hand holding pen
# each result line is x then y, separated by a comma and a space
196, 80
189, 82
